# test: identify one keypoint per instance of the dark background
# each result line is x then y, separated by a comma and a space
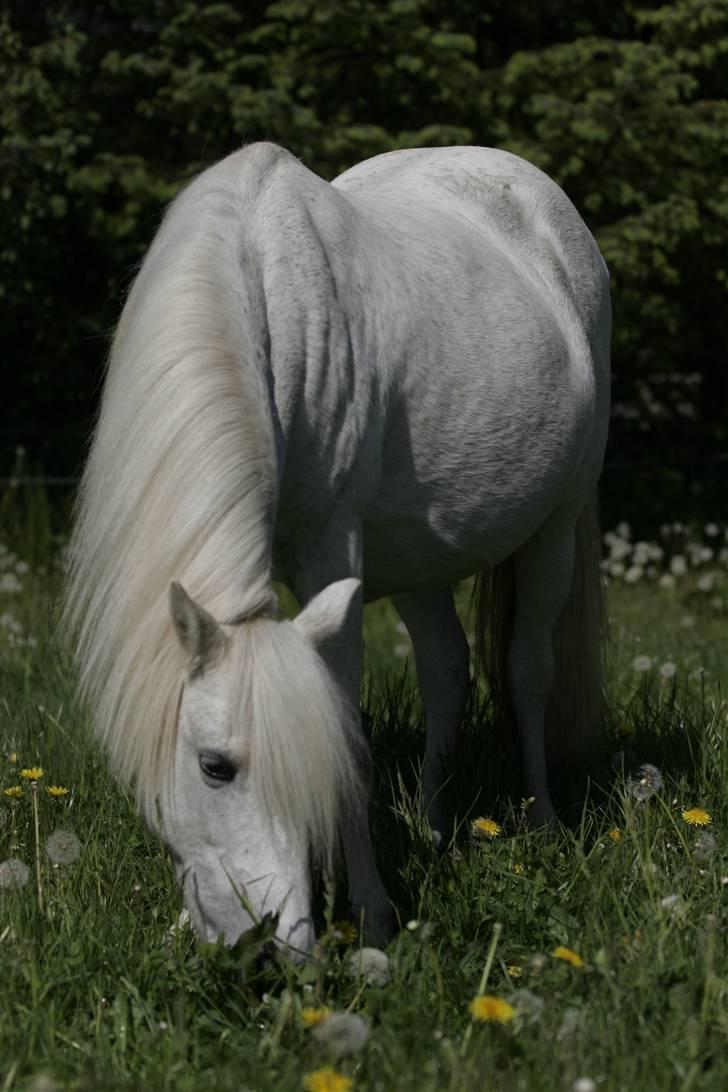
107, 108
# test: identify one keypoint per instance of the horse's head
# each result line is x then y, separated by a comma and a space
264, 753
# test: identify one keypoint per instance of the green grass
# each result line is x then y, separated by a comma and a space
96, 994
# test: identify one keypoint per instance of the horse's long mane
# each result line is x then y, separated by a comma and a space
181, 478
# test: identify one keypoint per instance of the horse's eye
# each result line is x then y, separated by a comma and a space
217, 768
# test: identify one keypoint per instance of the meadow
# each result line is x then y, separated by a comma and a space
591, 959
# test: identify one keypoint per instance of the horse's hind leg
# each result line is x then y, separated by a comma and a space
441, 659
544, 570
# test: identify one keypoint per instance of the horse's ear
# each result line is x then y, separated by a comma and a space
324, 616
199, 634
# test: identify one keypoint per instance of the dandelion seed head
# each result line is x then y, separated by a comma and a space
646, 783
13, 873
705, 846
584, 1084
528, 1005
372, 965
63, 847
668, 670
10, 584
342, 1034
641, 663
671, 902
678, 565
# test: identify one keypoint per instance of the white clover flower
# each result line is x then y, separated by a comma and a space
678, 565
705, 583
668, 670
712, 529
7, 560
634, 574
616, 568
342, 1033
624, 530
10, 584
63, 847
655, 552
642, 663
13, 873
372, 965
22, 568
667, 580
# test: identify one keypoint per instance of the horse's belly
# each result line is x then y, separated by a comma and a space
453, 500
446, 542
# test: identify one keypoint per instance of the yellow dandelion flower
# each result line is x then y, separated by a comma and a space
697, 817
489, 1009
312, 1016
568, 955
518, 868
13, 792
615, 834
326, 1080
486, 828
13, 758
344, 931
514, 970
32, 773
57, 790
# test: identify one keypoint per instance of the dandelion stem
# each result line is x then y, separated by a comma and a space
497, 930
36, 828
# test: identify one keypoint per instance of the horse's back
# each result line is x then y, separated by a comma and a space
501, 396
526, 215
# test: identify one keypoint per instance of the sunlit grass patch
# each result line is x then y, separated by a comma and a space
100, 991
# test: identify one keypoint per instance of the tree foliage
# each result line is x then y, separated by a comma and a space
109, 107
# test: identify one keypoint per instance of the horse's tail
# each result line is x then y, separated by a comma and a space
575, 713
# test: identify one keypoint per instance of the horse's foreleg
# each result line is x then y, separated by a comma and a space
544, 570
442, 661
340, 557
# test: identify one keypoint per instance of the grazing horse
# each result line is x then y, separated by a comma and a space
375, 386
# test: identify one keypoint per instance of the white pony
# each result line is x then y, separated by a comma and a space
376, 386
